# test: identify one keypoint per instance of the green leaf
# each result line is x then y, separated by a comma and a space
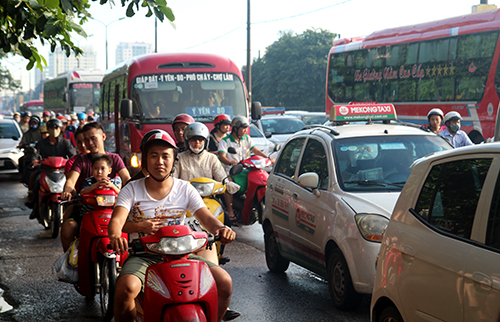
67, 7
25, 51
52, 4
130, 10
150, 13
168, 12
35, 5
159, 14
51, 28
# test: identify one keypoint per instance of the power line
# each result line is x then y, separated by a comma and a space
269, 21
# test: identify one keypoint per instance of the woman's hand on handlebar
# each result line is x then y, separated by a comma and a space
227, 234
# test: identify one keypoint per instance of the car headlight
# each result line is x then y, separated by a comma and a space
105, 200
204, 189
371, 226
177, 246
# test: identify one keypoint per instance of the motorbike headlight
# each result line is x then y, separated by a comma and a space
259, 164
177, 246
55, 186
371, 226
105, 200
204, 189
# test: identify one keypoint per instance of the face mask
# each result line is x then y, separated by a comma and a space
195, 151
54, 132
454, 128
34, 126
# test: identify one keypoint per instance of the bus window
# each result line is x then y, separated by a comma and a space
412, 53
393, 57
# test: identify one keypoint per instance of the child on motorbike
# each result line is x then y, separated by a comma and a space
101, 169
147, 204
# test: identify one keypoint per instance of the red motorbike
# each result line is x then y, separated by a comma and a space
177, 288
52, 180
249, 203
98, 265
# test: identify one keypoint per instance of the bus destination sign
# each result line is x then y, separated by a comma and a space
185, 77
363, 112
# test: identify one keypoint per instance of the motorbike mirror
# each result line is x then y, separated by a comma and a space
268, 135
232, 150
277, 147
237, 169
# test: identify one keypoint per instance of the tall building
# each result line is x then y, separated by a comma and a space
59, 63
127, 50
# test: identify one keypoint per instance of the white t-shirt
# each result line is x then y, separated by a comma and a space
172, 209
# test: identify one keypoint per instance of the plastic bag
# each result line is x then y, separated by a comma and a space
63, 269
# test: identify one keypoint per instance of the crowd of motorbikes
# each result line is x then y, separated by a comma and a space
178, 287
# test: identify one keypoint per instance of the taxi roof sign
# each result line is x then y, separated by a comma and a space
273, 110
364, 112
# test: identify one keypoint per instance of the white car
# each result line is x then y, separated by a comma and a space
440, 255
280, 126
262, 141
330, 195
10, 137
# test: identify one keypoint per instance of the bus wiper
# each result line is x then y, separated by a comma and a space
368, 183
399, 184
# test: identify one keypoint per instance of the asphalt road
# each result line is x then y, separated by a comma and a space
27, 254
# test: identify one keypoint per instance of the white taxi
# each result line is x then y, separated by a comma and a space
332, 191
440, 255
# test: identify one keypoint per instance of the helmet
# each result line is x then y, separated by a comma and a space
156, 135
27, 113
222, 119
52, 123
435, 111
196, 129
452, 116
35, 118
43, 128
52, 114
183, 118
62, 119
17, 113
82, 116
46, 113
240, 121
73, 116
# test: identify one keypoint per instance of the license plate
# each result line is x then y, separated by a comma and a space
2, 163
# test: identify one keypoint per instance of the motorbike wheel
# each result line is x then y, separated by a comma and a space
275, 262
43, 215
107, 287
342, 292
55, 217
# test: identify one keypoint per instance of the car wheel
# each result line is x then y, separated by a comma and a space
390, 314
275, 262
342, 291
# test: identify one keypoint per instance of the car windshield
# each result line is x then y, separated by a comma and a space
282, 125
8, 130
381, 163
254, 132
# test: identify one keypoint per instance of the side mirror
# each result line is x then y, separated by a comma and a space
65, 97
256, 111
237, 169
232, 150
15, 138
126, 108
308, 180
277, 147
268, 135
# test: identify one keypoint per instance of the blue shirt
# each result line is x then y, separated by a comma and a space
458, 140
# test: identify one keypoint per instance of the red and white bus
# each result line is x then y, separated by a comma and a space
73, 91
451, 64
35, 107
161, 86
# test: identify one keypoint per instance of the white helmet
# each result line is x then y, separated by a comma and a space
452, 116
196, 129
435, 111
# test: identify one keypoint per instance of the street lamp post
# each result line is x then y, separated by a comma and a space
106, 26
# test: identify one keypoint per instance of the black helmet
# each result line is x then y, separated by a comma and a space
27, 113
35, 118
52, 123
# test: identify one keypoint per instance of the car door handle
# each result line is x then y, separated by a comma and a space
485, 281
270, 187
295, 196
408, 254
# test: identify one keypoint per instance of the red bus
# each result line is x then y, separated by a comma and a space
154, 88
35, 107
451, 64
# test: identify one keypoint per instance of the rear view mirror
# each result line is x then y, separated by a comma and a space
237, 169
308, 180
232, 150
268, 134
256, 111
126, 108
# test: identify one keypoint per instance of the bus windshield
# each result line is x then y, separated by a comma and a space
84, 96
160, 97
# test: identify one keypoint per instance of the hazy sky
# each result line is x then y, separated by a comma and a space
219, 26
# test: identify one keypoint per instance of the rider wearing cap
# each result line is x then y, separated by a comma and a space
457, 137
136, 212
179, 124
222, 125
435, 118
45, 117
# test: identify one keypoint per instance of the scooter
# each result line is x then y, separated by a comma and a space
209, 189
25, 162
52, 180
249, 204
98, 265
177, 288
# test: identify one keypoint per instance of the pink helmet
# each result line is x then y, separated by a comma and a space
222, 118
183, 118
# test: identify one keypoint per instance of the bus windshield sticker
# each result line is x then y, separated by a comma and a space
151, 85
392, 146
211, 111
